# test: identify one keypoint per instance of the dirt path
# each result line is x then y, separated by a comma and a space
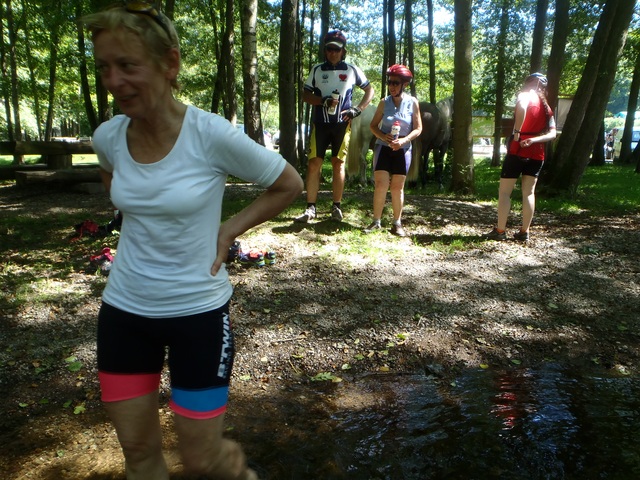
321, 317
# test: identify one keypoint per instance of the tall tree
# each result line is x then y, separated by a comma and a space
252, 117
391, 32
31, 65
53, 65
632, 105
227, 59
462, 166
500, 82
561, 29
287, 83
584, 118
408, 16
432, 55
325, 24
5, 86
84, 77
12, 31
539, 29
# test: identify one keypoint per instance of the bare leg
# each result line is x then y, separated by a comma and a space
313, 178
397, 196
528, 200
504, 201
338, 178
206, 453
137, 424
381, 179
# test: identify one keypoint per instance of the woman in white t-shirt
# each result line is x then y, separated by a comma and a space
165, 165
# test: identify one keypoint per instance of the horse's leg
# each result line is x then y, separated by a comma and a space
424, 171
438, 166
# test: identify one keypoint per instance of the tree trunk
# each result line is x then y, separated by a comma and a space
583, 121
597, 155
33, 82
4, 86
432, 55
299, 69
53, 65
15, 95
218, 75
252, 117
500, 82
539, 29
84, 78
287, 82
228, 59
408, 15
632, 105
325, 18
391, 32
385, 49
462, 165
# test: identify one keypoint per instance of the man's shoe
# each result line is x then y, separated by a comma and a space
521, 236
375, 226
309, 214
398, 230
496, 235
336, 213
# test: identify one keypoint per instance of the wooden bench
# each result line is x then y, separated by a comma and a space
57, 166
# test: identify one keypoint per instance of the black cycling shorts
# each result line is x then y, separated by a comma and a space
513, 166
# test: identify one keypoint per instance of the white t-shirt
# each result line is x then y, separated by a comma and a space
171, 213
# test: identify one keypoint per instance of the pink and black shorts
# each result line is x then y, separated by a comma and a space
131, 355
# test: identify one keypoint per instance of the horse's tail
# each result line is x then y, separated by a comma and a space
355, 146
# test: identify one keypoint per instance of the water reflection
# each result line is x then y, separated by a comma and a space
511, 424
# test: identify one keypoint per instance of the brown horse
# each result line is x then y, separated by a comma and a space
435, 137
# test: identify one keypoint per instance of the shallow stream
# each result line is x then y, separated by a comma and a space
509, 424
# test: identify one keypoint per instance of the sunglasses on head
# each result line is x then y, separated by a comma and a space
149, 9
394, 83
333, 49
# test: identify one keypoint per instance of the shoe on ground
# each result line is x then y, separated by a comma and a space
234, 251
398, 231
496, 235
309, 214
269, 257
336, 213
253, 258
373, 227
521, 236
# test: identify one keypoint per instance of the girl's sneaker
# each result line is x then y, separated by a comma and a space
521, 236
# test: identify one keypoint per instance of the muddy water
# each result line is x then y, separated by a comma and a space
510, 424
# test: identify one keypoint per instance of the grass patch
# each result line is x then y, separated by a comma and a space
604, 190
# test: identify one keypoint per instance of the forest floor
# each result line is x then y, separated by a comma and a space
436, 303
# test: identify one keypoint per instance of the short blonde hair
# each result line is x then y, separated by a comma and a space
156, 39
